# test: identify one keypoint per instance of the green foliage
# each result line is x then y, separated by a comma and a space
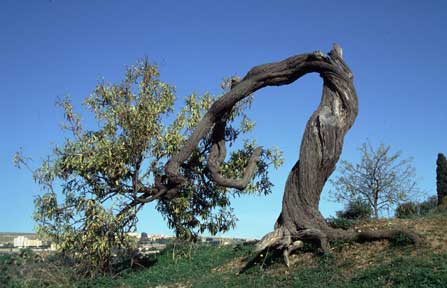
441, 177
401, 240
427, 206
341, 223
357, 209
91, 182
411, 209
406, 210
27, 269
6, 269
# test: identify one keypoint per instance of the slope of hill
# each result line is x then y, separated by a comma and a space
377, 264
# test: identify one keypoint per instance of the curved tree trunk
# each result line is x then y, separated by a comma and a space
320, 150
321, 146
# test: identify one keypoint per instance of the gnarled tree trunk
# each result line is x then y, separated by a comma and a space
321, 146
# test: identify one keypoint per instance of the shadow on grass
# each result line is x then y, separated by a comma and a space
263, 261
135, 264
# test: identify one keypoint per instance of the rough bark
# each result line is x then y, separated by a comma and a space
321, 146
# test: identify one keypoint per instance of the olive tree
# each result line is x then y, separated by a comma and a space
95, 183
191, 172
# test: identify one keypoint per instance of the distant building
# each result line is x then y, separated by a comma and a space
155, 237
33, 243
23, 242
147, 243
19, 241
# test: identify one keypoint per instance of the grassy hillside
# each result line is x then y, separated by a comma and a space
379, 264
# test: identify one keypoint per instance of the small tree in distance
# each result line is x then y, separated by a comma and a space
441, 177
382, 179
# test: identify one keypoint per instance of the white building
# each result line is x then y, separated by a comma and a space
22, 242
19, 241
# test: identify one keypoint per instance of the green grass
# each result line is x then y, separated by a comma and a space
210, 266
202, 270
379, 264
29, 270
405, 272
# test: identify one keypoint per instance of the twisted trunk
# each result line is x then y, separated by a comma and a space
321, 146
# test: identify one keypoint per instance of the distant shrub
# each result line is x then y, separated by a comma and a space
29, 269
356, 210
400, 240
428, 205
412, 209
407, 210
341, 223
442, 207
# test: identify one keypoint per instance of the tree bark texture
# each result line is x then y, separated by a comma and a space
321, 146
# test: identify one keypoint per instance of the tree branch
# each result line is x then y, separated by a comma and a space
217, 156
273, 74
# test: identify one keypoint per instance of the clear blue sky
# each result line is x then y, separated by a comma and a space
396, 50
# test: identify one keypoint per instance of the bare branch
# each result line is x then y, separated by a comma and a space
273, 74
217, 156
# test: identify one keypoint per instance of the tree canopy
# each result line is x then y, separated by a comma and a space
95, 183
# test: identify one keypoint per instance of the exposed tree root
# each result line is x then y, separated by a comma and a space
369, 236
284, 241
